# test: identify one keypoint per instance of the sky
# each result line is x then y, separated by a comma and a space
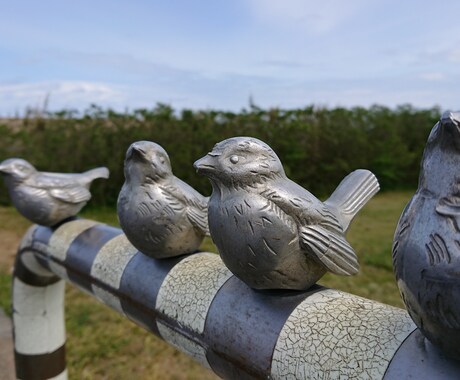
219, 54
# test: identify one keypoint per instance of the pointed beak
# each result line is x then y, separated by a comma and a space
205, 164
450, 118
3, 168
136, 150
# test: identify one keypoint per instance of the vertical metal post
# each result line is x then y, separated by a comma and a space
38, 317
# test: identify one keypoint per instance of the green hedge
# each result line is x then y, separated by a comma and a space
318, 146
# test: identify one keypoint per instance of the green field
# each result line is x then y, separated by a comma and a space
103, 345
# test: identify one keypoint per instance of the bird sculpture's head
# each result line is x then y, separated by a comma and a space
240, 162
16, 169
446, 132
146, 162
441, 157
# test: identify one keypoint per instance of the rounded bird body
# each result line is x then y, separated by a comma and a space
161, 215
271, 232
259, 241
426, 248
47, 198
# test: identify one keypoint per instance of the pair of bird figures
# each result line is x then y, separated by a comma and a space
270, 232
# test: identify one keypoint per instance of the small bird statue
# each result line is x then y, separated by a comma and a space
426, 246
271, 232
161, 215
47, 198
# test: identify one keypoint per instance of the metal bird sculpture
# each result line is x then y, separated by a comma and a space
426, 247
271, 232
47, 198
161, 215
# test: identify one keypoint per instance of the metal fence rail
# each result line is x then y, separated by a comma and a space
194, 303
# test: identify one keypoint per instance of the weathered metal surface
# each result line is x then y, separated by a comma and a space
417, 359
271, 232
426, 250
47, 198
195, 304
161, 215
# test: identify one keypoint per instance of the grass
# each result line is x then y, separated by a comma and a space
104, 345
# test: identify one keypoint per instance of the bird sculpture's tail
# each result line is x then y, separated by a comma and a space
93, 174
352, 194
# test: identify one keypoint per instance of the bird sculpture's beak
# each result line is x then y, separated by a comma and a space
450, 118
136, 150
205, 164
4, 168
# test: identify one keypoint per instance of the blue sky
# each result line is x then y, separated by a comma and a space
217, 54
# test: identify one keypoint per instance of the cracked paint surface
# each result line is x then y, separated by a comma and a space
108, 267
189, 288
335, 335
61, 240
184, 344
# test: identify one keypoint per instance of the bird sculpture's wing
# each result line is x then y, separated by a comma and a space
74, 194
331, 249
319, 230
194, 203
450, 207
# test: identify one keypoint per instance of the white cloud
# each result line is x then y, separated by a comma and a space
454, 55
63, 94
316, 17
433, 76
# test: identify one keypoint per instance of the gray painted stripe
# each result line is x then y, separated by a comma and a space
82, 252
243, 325
61, 240
139, 305
418, 359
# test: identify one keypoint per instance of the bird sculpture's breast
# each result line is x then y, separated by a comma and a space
426, 252
157, 226
259, 242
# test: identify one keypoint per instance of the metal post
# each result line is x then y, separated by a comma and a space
38, 315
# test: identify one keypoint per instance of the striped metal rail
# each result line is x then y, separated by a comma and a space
194, 303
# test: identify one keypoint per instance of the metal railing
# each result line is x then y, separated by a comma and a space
197, 305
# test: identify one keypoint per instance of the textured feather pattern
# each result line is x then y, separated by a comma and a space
72, 194
195, 204
355, 190
331, 249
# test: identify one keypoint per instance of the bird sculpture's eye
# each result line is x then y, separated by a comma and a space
234, 159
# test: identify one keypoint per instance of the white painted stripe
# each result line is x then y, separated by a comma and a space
38, 317
183, 344
107, 298
61, 240
112, 259
337, 335
62, 376
189, 288
29, 260
58, 270
63, 237
108, 267
27, 239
